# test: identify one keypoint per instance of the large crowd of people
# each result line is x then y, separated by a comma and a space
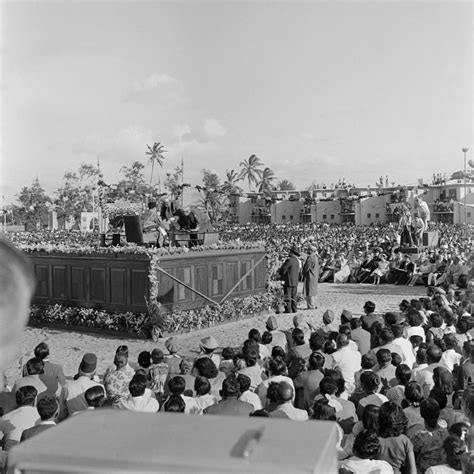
399, 387
369, 254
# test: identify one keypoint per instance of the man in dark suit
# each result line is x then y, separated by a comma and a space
289, 273
188, 222
230, 404
48, 409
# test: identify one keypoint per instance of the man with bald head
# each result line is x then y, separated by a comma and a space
285, 404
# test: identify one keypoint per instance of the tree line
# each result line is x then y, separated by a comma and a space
80, 189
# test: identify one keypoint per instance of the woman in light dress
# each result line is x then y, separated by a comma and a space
381, 270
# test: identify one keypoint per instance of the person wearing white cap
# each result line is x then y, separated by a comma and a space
208, 346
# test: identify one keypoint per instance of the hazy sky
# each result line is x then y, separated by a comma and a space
317, 90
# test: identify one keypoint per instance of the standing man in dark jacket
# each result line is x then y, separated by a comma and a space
289, 273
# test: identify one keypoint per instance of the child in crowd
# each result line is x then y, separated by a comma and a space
227, 363
203, 398
158, 373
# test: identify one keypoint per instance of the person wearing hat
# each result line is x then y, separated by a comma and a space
173, 360
289, 273
300, 323
278, 337
208, 349
311, 277
329, 324
72, 396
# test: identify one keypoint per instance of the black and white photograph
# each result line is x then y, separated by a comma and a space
237, 236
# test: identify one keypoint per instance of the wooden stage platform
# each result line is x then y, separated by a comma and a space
120, 282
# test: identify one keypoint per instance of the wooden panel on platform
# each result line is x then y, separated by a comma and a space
217, 279
247, 281
60, 282
260, 274
167, 288
78, 284
139, 287
231, 275
201, 282
118, 285
184, 275
97, 284
42, 281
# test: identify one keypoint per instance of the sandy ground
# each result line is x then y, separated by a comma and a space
68, 347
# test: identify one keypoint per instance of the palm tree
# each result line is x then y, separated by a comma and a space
156, 156
230, 186
250, 169
266, 178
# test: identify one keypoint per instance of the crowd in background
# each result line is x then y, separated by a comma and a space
399, 387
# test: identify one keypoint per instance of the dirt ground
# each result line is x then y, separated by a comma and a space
67, 348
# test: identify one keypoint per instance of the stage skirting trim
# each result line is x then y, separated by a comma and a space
117, 282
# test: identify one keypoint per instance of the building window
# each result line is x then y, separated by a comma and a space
283, 217
369, 215
377, 216
468, 214
332, 217
325, 216
452, 194
291, 218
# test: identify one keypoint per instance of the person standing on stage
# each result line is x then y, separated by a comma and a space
311, 277
289, 273
187, 220
423, 210
419, 225
404, 227
152, 226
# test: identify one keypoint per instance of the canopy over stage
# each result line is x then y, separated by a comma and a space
121, 282
100, 442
